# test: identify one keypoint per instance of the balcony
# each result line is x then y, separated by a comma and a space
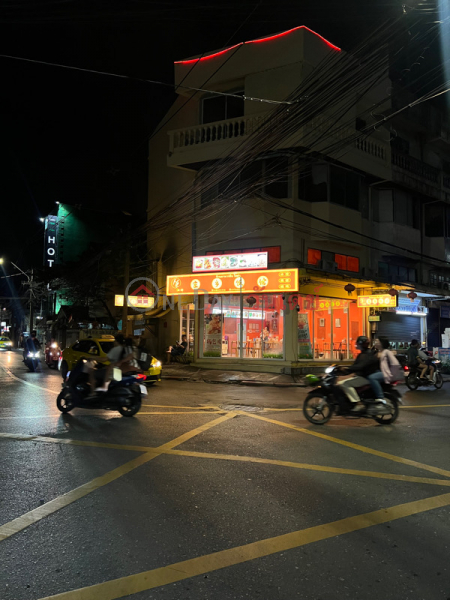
417, 175
211, 141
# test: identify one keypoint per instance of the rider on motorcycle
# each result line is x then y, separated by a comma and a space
32, 344
365, 364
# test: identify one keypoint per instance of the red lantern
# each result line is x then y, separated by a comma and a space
412, 296
393, 292
349, 288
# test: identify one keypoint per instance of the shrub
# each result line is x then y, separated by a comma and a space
272, 355
211, 354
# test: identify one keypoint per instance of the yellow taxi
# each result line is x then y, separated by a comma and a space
5, 343
100, 346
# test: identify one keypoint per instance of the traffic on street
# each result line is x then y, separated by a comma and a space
219, 491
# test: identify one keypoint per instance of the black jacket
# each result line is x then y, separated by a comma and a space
365, 364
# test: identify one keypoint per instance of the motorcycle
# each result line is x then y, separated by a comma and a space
328, 398
413, 379
122, 393
32, 360
52, 355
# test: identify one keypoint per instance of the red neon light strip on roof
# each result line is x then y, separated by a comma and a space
265, 39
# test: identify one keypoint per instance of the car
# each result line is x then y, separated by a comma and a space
100, 346
5, 343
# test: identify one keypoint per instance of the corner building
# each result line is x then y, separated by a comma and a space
288, 237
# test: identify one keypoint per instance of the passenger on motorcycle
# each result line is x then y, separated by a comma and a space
425, 363
389, 365
366, 364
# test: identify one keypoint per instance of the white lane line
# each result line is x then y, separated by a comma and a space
27, 382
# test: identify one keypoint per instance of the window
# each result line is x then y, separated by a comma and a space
434, 220
313, 185
276, 177
221, 108
396, 272
344, 262
314, 256
400, 145
344, 188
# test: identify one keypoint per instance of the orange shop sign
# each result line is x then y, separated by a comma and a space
269, 280
385, 301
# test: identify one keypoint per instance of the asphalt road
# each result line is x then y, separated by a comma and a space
219, 492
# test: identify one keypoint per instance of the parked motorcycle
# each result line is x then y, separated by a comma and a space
32, 360
52, 355
123, 394
328, 398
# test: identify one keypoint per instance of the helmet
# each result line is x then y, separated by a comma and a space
312, 379
362, 342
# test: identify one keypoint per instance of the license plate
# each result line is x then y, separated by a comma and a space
143, 390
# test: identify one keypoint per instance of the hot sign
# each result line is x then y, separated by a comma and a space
50, 240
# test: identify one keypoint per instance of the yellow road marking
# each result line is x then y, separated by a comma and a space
425, 406
323, 436
192, 412
47, 509
231, 458
187, 407
140, 582
16, 525
308, 467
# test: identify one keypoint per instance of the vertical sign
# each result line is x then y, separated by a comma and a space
51, 240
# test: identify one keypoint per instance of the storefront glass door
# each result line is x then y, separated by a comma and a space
247, 326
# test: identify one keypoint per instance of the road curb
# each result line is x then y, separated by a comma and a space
246, 382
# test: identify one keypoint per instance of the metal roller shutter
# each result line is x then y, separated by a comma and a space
399, 328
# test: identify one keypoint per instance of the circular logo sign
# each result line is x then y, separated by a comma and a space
217, 283
239, 282
263, 281
195, 284
176, 283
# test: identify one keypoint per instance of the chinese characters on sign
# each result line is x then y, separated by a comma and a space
382, 301
272, 280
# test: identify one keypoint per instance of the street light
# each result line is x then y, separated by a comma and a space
30, 283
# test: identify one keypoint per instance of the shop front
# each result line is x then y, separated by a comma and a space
401, 323
261, 320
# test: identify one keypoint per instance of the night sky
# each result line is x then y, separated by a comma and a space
81, 138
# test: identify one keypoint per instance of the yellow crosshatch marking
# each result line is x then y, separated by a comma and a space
195, 566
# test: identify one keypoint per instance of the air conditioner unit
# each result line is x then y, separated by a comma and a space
327, 265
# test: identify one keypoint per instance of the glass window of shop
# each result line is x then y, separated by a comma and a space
328, 328
244, 326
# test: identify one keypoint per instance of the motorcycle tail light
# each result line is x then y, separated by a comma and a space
405, 368
141, 376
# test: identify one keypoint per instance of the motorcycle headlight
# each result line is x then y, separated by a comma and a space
157, 364
329, 369
54, 345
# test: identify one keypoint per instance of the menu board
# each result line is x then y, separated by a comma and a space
272, 280
229, 262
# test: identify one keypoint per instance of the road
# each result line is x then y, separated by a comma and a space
219, 492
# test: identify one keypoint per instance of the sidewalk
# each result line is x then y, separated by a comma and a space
180, 372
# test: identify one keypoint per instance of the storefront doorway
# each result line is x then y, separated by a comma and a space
244, 326
328, 329
187, 325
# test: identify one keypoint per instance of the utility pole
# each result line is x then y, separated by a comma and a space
126, 281
31, 302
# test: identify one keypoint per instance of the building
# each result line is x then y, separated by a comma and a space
272, 167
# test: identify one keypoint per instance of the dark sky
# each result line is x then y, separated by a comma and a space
82, 138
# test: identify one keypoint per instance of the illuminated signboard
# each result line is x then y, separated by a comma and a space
51, 240
379, 301
248, 282
137, 301
229, 262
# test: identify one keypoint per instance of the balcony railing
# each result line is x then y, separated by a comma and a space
238, 128
416, 167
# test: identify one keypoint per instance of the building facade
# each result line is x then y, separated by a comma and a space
295, 224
